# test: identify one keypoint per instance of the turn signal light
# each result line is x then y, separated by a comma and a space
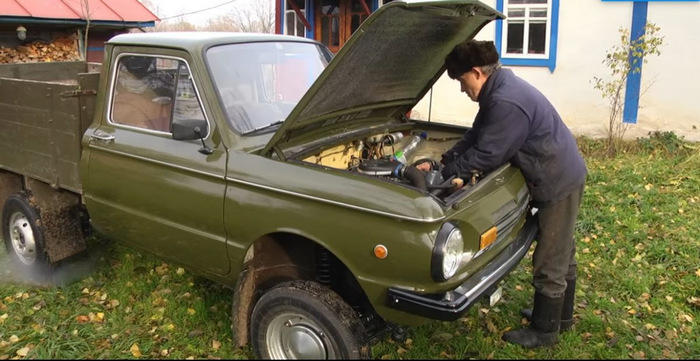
380, 251
488, 237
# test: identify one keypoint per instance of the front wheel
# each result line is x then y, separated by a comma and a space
304, 320
24, 238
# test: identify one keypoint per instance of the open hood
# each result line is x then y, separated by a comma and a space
384, 69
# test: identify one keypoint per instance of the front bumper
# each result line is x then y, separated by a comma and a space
450, 305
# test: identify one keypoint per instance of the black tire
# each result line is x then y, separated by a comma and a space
304, 320
24, 238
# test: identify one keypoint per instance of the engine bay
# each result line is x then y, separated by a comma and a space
393, 157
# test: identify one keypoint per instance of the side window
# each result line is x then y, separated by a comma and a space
186, 103
144, 92
528, 35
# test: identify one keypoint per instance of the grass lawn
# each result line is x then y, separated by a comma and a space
638, 295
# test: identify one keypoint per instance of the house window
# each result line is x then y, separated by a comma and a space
528, 35
293, 24
337, 20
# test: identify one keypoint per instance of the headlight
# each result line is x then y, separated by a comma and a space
447, 253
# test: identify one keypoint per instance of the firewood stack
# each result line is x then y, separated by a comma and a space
63, 48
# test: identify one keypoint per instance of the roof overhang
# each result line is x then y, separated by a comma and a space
77, 22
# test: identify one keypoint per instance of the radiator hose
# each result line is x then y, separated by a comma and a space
412, 174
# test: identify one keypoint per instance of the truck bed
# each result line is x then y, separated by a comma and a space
44, 110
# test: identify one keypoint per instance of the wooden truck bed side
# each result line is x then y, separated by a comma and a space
44, 110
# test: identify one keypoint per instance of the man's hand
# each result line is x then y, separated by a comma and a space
458, 183
425, 166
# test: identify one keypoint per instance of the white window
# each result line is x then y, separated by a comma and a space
293, 24
527, 29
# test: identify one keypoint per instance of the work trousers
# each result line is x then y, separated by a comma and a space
554, 259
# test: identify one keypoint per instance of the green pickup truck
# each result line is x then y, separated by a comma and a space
265, 164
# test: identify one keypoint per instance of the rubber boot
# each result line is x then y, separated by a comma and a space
544, 327
567, 313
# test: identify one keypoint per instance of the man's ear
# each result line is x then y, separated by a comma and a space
479, 73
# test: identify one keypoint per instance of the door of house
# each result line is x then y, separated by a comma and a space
336, 20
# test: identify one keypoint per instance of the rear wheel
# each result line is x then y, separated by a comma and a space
304, 320
23, 236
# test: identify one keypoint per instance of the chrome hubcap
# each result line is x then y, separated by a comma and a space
293, 336
22, 238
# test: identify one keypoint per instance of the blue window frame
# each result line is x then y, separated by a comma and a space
528, 36
291, 24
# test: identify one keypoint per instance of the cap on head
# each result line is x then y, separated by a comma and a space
469, 54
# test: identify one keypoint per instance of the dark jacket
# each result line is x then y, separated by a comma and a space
517, 123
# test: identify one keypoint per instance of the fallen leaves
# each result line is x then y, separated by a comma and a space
444, 354
97, 317
638, 355
162, 269
113, 304
39, 305
135, 350
684, 317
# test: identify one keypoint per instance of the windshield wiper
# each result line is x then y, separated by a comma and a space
274, 124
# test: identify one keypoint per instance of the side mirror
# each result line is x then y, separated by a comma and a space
189, 129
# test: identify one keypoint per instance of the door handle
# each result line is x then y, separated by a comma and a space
102, 137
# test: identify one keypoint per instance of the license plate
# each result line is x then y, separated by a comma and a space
493, 299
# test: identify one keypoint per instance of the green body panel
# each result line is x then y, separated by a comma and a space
42, 120
155, 193
349, 215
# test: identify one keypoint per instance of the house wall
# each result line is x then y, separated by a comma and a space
96, 43
587, 29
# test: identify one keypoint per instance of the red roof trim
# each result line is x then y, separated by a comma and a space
100, 10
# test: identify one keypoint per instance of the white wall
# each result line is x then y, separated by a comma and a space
587, 29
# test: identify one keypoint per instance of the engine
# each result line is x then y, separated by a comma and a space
380, 156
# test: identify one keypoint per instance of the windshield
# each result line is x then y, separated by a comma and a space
260, 83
